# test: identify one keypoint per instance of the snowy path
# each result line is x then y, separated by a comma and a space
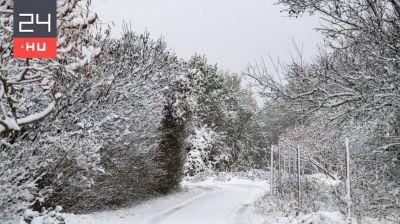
203, 203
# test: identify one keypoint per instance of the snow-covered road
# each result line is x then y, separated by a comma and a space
227, 202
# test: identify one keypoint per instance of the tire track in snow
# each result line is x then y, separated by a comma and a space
157, 219
204, 203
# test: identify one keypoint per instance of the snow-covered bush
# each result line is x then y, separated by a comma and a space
201, 144
373, 174
318, 193
126, 114
373, 186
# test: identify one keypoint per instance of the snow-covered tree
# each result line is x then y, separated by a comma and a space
31, 90
226, 110
359, 78
349, 90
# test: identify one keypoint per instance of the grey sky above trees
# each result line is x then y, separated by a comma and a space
232, 33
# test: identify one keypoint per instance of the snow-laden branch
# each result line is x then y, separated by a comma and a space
29, 81
385, 147
38, 116
12, 124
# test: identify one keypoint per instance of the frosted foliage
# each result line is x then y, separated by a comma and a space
224, 107
201, 142
373, 176
105, 139
32, 90
350, 90
29, 89
141, 78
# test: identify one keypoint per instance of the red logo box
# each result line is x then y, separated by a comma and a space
35, 47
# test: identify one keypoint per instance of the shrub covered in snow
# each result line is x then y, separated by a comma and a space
201, 144
130, 116
225, 135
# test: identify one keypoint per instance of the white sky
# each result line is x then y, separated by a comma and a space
232, 33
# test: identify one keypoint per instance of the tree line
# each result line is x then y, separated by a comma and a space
350, 90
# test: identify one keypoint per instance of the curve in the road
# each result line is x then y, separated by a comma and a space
222, 204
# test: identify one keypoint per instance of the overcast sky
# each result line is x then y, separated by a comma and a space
232, 33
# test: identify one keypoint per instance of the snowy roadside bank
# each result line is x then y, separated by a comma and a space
318, 206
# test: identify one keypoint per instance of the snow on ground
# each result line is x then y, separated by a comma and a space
320, 217
221, 199
210, 201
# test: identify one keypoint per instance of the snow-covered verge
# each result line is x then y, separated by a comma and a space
319, 205
320, 217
